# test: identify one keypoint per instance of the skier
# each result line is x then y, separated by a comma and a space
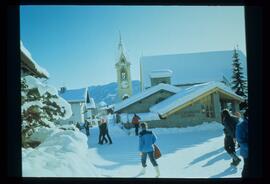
229, 122
146, 141
242, 139
136, 122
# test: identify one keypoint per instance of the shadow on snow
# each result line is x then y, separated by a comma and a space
206, 156
229, 171
124, 150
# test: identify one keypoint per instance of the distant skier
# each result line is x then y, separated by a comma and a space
242, 139
136, 122
229, 122
146, 141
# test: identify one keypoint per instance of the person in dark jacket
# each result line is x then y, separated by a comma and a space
78, 125
105, 131
242, 139
136, 122
229, 122
146, 141
86, 126
102, 130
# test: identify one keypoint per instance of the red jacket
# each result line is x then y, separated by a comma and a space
135, 120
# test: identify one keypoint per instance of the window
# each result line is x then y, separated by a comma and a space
207, 106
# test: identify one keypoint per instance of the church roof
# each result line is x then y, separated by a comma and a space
191, 67
91, 105
144, 94
192, 93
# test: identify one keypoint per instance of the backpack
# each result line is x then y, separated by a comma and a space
157, 152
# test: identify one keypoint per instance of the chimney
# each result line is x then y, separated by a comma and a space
160, 76
63, 89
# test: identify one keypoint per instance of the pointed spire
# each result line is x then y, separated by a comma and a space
120, 46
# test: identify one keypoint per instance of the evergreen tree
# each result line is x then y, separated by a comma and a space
239, 83
41, 107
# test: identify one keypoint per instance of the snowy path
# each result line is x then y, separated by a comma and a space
188, 154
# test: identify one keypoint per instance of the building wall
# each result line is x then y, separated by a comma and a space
195, 114
144, 104
77, 116
189, 116
207, 109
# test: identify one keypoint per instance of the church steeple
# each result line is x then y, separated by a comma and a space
120, 45
123, 73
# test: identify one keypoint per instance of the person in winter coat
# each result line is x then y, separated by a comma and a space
105, 131
86, 126
102, 130
229, 122
242, 139
136, 122
146, 141
78, 125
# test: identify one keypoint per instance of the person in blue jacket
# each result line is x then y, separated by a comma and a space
146, 140
242, 139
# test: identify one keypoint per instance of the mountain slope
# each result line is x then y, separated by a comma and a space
108, 92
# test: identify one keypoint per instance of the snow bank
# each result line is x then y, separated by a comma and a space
42, 133
63, 154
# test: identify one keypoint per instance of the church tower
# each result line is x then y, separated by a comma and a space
123, 74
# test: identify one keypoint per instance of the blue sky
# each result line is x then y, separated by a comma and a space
78, 44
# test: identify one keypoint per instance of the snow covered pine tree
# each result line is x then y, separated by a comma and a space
41, 107
239, 83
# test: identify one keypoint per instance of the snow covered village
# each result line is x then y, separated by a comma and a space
103, 130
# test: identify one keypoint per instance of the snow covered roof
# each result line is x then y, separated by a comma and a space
26, 58
191, 93
192, 67
74, 95
160, 73
145, 94
102, 104
91, 105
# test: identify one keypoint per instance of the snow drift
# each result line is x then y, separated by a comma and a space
63, 154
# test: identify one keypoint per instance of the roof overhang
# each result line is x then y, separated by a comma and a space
135, 98
223, 94
29, 66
